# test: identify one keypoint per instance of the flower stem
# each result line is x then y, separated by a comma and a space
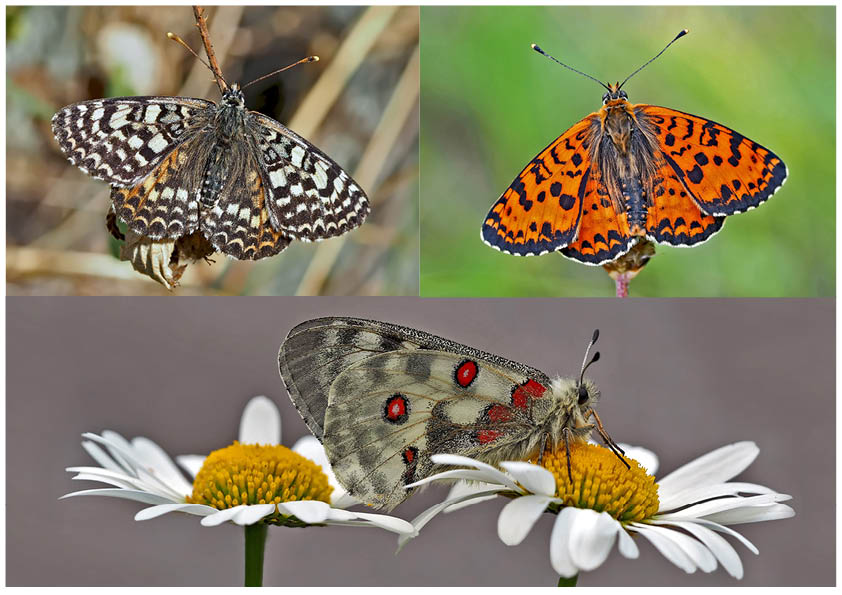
568, 582
255, 544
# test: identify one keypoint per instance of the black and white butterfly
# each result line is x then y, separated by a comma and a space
178, 165
384, 398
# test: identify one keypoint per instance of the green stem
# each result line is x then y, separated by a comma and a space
255, 544
568, 582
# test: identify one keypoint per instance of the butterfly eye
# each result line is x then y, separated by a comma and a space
623, 95
605, 98
583, 395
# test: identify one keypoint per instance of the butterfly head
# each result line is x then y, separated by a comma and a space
233, 97
614, 93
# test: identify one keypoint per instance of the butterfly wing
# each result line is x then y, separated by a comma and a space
603, 234
388, 413
723, 171
540, 210
676, 218
123, 139
343, 374
309, 197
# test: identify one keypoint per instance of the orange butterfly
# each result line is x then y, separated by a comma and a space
628, 172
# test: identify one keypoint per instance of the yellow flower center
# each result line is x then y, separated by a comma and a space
254, 474
602, 482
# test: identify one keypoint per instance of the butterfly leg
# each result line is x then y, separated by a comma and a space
545, 448
609, 442
111, 224
565, 433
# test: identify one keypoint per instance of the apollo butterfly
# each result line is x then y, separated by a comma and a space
384, 398
627, 172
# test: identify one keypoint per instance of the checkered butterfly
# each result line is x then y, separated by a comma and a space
179, 165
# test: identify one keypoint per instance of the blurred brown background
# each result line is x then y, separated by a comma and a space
359, 104
681, 377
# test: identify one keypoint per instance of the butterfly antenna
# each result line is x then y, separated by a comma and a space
585, 363
183, 44
681, 34
302, 61
543, 53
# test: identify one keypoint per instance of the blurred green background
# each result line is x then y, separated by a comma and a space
489, 104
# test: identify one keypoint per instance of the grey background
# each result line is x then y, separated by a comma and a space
681, 377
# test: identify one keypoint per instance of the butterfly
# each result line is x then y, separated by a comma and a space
179, 165
629, 172
384, 398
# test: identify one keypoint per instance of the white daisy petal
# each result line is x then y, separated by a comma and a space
471, 475
253, 513
389, 523
752, 515
647, 459
720, 548
668, 548
518, 516
458, 460
261, 422
100, 456
117, 446
159, 464
308, 511
127, 494
428, 515
627, 546
592, 537
729, 531
222, 516
705, 509
560, 543
464, 488
706, 492
162, 509
695, 550
191, 463
717, 466
532, 477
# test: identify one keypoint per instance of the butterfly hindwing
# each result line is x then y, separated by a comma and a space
603, 234
725, 172
389, 413
675, 218
540, 210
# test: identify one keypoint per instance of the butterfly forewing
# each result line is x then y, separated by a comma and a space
122, 140
539, 212
310, 196
725, 172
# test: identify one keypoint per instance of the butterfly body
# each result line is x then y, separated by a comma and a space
384, 398
626, 172
178, 165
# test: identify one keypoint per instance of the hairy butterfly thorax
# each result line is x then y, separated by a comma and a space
180, 166
630, 173
384, 398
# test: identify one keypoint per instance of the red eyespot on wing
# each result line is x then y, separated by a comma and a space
396, 409
409, 455
486, 436
499, 413
528, 390
466, 373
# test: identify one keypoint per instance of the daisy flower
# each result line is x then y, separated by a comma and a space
255, 482
682, 515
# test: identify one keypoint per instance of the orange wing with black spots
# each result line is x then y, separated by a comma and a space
539, 212
725, 172
603, 235
675, 218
